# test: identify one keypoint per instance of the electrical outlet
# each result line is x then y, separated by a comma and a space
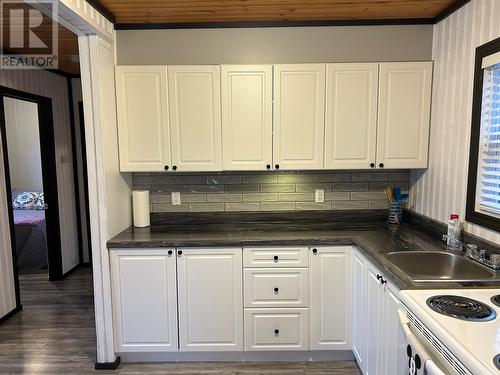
319, 196
176, 198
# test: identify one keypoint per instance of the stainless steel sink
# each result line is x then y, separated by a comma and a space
437, 266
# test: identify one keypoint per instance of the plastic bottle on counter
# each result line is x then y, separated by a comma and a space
454, 228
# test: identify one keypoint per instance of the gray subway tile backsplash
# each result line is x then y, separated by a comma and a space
269, 191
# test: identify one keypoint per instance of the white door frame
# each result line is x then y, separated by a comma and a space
92, 27
88, 45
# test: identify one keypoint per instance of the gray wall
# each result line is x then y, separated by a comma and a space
270, 191
275, 45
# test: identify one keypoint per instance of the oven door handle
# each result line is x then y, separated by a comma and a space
430, 366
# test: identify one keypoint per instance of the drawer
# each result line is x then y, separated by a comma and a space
276, 329
275, 257
279, 287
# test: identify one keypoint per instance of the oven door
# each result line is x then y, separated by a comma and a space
413, 357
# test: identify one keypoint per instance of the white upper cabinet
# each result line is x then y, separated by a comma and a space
330, 307
194, 102
144, 300
210, 299
404, 114
199, 118
351, 115
247, 116
299, 116
142, 110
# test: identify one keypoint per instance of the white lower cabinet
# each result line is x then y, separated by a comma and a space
358, 313
234, 299
276, 329
210, 299
330, 308
144, 300
376, 322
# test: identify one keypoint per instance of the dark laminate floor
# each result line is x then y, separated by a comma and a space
54, 334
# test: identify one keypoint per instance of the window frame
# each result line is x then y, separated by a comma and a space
471, 214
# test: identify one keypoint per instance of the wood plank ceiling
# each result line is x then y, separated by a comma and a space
216, 11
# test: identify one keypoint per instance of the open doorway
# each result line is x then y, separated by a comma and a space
27, 131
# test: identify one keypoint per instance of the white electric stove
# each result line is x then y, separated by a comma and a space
461, 327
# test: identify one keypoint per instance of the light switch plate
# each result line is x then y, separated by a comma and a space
319, 196
176, 198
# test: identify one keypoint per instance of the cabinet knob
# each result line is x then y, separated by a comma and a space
277, 166
379, 277
165, 167
268, 166
276, 290
383, 281
275, 258
174, 167
276, 332
170, 252
381, 165
179, 253
372, 165
315, 251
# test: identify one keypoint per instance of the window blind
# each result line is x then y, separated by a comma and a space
488, 191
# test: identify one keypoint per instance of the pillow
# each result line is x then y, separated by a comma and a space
28, 200
40, 203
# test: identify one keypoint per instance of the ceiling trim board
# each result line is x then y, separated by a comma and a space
450, 10
97, 5
257, 24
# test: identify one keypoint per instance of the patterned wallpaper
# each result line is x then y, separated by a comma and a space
441, 189
269, 191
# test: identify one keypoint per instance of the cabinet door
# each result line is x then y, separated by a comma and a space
194, 93
351, 115
247, 116
299, 116
210, 299
144, 300
373, 311
404, 114
358, 308
390, 336
331, 298
142, 112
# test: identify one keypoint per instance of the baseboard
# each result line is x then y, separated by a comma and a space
257, 356
11, 313
108, 365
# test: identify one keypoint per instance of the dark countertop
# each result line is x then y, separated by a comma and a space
373, 239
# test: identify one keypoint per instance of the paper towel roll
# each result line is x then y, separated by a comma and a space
140, 205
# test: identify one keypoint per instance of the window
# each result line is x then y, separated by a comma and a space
483, 191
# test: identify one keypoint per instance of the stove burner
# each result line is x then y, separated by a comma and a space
461, 308
496, 300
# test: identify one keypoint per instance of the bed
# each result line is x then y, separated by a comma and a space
31, 238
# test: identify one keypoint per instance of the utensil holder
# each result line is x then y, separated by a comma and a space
395, 215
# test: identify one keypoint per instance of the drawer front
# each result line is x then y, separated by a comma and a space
275, 257
276, 329
282, 287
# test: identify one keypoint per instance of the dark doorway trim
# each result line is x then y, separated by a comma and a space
471, 215
75, 169
83, 144
47, 149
